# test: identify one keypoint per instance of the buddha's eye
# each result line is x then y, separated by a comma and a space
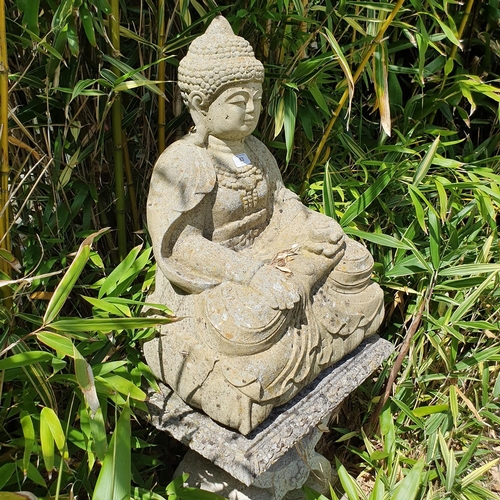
239, 100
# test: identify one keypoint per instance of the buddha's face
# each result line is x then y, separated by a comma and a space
234, 114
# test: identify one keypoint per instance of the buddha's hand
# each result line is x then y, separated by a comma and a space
276, 288
325, 237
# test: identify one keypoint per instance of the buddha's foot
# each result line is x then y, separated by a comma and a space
343, 314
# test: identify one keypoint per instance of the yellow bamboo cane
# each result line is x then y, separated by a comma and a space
368, 53
161, 76
116, 121
4, 140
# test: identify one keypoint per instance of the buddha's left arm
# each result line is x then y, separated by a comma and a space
294, 223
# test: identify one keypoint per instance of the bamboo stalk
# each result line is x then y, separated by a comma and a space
4, 141
461, 29
130, 184
161, 77
369, 52
116, 122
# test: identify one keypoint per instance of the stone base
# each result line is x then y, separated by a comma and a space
277, 458
284, 481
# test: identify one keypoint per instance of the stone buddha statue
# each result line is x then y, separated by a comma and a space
270, 292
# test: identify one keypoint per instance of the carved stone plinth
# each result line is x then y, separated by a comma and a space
278, 457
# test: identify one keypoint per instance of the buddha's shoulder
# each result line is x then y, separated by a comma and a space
183, 152
257, 146
262, 156
184, 163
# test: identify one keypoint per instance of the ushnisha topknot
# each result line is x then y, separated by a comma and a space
217, 58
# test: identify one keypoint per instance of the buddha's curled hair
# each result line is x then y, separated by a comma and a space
215, 59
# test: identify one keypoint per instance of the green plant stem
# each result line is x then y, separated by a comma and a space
161, 76
130, 184
369, 52
461, 29
412, 329
116, 121
4, 141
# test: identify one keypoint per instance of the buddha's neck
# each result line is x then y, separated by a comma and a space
234, 147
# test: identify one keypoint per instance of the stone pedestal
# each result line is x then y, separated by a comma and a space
277, 458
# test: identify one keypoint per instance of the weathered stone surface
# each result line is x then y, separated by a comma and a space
248, 458
272, 293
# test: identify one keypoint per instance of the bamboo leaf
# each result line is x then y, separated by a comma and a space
348, 483
279, 117
448, 32
30, 10
345, 68
408, 488
105, 325
88, 25
143, 494
61, 344
29, 439
379, 239
25, 359
477, 357
454, 405
380, 72
35, 476
111, 282
367, 198
6, 472
123, 386
435, 238
409, 413
423, 411
443, 200
47, 444
85, 379
290, 116
378, 488
54, 425
69, 279
108, 306
471, 299
464, 461
114, 480
478, 473
419, 211
98, 431
328, 202
426, 163
470, 269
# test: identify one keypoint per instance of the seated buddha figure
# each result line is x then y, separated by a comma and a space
270, 292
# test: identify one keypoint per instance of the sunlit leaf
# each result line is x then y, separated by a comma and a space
380, 72
426, 163
408, 488
68, 281
29, 439
367, 198
25, 359
114, 480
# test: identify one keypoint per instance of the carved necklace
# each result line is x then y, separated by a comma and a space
243, 178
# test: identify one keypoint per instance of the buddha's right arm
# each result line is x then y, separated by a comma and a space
209, 262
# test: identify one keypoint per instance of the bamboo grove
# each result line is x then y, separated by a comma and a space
383, 115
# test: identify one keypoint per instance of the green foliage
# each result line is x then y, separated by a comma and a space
409, 165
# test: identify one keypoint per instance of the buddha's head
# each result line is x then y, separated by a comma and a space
221, 83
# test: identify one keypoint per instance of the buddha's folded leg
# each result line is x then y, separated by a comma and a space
348, 304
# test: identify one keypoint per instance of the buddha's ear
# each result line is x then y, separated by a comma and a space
198, 110
198, 102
